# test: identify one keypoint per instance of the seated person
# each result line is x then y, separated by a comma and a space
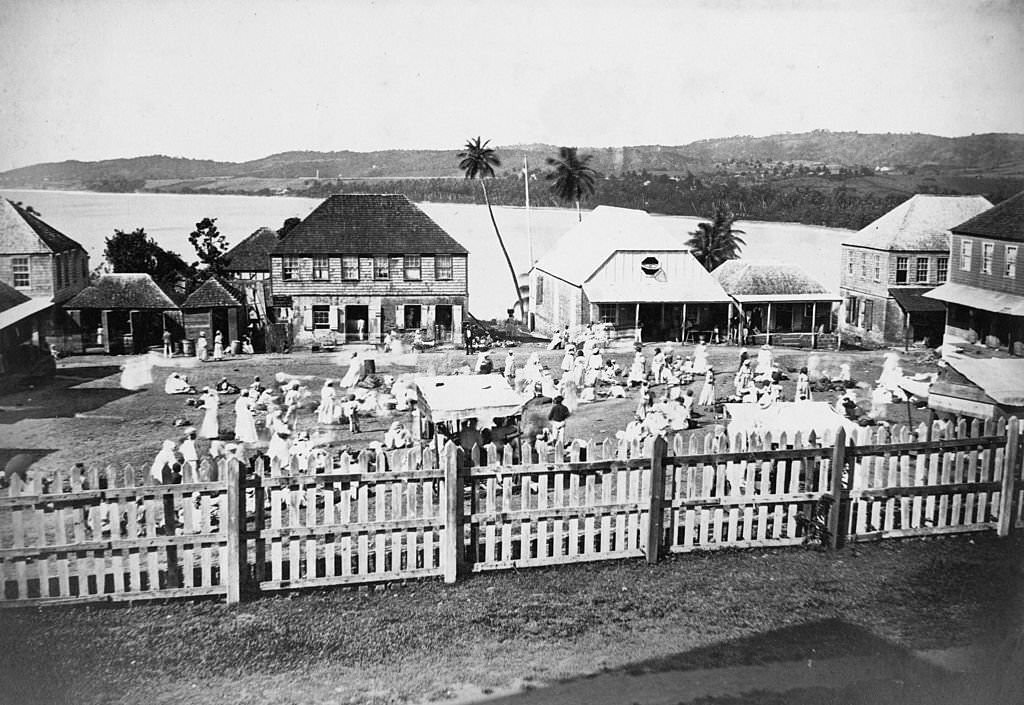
256, 388
247, 348
397, 437
176, 384
225, 387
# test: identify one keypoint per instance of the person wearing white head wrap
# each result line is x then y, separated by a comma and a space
245, 425
163, 463
210, 427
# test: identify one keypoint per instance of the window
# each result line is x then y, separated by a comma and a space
350, 268
540, 289
864, 265
381, 267
966, 247
19, 267
288, 267
1010, 268
852, 310
987, 249
922, 269
869, 313
412, 266
901, 269
878, 268
321, 268
606, 313
443, 267
849, 262
321, 317
941, 269
412, 316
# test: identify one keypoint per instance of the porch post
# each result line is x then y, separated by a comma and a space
636, 322
105, 324
906, 332
814, 326
728, 323
768, 325
682, 334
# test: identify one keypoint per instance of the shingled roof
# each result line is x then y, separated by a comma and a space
921, 223
253, 253
122, 292
10, 297
365, 224
764, 280
23, 233
1004, 221
213, 293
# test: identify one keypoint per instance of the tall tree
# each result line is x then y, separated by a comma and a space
572, 178
478, 162
136, 251
715, 242
210, 245
288, 225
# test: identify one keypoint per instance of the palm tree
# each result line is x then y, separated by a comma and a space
573, 179
715, 242
478, 162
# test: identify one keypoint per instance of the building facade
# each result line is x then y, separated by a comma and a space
360, 266
888, 265
984, 296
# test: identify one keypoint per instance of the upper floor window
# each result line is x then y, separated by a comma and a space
849, 263
922, 269
19, 267
381, 267
864, 265
987, 250
1010, 269
58, 269
321, 268
350, 268
413, 267
878, 268
289, 267
902, 264
443, 267
540, 289
941, 269
966, 251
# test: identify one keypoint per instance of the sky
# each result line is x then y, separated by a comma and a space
98, 79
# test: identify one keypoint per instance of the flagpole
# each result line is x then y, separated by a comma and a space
529, 228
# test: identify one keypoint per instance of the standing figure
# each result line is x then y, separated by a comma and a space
803, 386
167, 344
201, 351
567, 359
161, 472
292, 399
707, 392
557, 416
189, 456
764, 361
354, 374
326, 412
210, 427
350, 412
658, 365
245, 424
510, 367
638, 370
279, 447
700, 358
218, 346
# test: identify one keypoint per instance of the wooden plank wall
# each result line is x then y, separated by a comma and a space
105, 535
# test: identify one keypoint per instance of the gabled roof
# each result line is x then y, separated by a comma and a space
366, 224
921, 223
1004, 221
23, 233
253, 253
10, 297
764, 281
586, 246
213, 293
122, 292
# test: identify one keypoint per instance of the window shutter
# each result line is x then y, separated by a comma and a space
332, 318
400, 316
307, 318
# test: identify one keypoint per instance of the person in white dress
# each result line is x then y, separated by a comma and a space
218, 346
658, 365
803, 386
189, 456
568, 359
201, 347
292, 399
700, 358
137, 373
707, 392
638, 370
245, 425
163, 463
764, 361
279, 448
210, 428
354, 374
510, 367
326, 413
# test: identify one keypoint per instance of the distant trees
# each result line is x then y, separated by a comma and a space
572, 179
210, 246
136, 251
477, 161
716, 242
288, 225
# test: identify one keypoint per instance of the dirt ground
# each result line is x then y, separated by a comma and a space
84, 415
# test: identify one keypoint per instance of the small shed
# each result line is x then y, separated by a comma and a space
215, 306
452, 399
124, 313
777, 303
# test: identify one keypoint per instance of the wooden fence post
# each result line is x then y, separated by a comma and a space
656, 502
451, 546
1011, 472
237, 568
835, 515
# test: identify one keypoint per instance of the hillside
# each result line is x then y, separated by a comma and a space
1001, 153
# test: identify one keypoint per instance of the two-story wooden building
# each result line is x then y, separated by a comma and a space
984, 296
891, 262
361, 265
620, 266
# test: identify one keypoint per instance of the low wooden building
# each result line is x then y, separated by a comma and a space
23, 322
124, 314
777, 303
215, 307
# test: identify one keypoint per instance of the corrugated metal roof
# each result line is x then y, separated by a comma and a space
122, 292
1004, 221
605, 230
972, 296
23, 233
921, 223
366, 224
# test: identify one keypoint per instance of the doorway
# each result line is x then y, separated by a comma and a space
443, 323
412, 315
356, 321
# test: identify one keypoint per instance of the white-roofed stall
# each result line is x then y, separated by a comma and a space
785, 417
452, 399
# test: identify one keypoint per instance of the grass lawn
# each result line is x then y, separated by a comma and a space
425, 641
84, 416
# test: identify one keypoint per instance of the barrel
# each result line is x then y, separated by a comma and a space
369, 367
236, 347
187, 347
